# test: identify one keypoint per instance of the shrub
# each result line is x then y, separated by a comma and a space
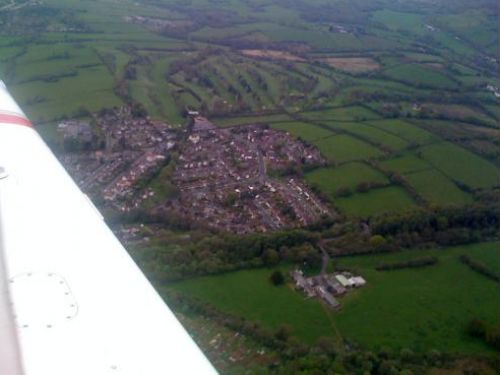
277, 278
480, 268
414, 263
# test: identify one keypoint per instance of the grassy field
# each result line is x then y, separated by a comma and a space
307, 132
405, 130
462, 165
372, 135
376, 201
420, 75
343, 147
341, 114
406, 163
349, 175
422, 309
437, 189
251, 294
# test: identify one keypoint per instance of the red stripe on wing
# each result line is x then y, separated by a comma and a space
14, 119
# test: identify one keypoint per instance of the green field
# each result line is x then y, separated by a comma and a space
422, 309
343, 147
307, 132
376, 201
349, 175
341, 114
372, 135
420, 75
405, 130
462, 165
437, 189
250, 294
406, 163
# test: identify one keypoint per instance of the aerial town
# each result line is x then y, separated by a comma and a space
233, 179
132, 149
223, 179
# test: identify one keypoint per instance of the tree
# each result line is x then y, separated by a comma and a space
277, 278
476, 328
283, 332
377, 241
327, 346
138, 110
270, 257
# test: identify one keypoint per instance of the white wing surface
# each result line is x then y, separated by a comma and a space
73, 302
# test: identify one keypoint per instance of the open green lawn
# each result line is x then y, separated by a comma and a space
399, 20
91, 88
406, 163
437, 188
343, 147
462, 165
352, 113
420, 75
371, 134
250, 294
376, 201
349, 175
405, 130
308, 132
425, 308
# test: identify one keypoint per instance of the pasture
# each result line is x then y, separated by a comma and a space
437, 189
373, 135
461, 165
307, 132
348, 175
376, 201
346, 113
250, 294
351, 64
342, 148
421, 308
420, 75
406, 163
405, 130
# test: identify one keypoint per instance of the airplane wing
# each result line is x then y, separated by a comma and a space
72, 300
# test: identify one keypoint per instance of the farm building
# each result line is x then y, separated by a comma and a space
344, 281
357, 281
326, 286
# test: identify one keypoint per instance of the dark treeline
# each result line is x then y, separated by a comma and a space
223, 252
414, 263
226, 252
444, 226
479, 268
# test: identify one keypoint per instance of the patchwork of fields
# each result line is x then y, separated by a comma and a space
437, 172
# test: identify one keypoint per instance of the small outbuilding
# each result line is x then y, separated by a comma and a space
344, 281
357, 281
